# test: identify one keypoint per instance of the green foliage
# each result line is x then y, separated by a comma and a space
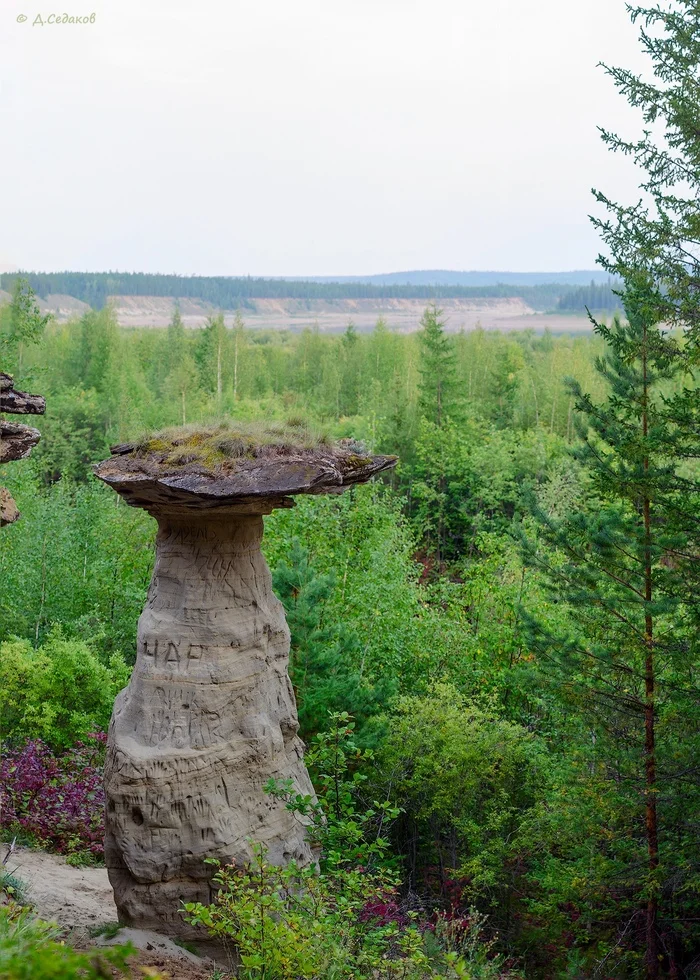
391, 588
338, 920
438, 385
467, 779
657, 234
31, 949
72, 437
504, 383
59, 692
347, 833
325, 657
21, 324
79, 558
626, 564
470, 477
13, 888
107, 929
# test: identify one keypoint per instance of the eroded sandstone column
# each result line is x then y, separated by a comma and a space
208, 717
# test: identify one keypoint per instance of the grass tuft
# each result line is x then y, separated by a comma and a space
107, 929
15, 888
218, 446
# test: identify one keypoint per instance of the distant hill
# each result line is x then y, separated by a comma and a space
447, 277
146, 299
239, 292
468, 298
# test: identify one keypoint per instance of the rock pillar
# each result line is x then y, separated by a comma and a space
208, 717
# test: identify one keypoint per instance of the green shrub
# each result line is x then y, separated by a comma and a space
59, 692
467, 780
32, 950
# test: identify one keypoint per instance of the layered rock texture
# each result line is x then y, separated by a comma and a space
16, 441
209, 715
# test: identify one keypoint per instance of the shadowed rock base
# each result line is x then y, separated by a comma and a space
208, 717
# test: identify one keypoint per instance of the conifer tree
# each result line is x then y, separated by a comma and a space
504, 382
628, 566
438, 370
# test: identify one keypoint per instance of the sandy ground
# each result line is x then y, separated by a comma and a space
80, 900
61, 893
401, 315
331, 316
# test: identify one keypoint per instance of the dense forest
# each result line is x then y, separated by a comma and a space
230, 293
594, 296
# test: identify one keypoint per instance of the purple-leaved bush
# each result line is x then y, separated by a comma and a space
56, 800
385, 910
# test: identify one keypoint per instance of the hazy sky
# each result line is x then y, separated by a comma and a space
308, 136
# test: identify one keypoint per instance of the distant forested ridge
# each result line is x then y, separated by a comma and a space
451, 277
231, 293
594, 296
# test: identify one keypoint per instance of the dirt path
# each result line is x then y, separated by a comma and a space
80, 900
61, 893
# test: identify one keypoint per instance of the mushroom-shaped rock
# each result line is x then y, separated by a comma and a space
209, 715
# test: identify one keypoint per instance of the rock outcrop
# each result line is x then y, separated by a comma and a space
16, 441
209, 715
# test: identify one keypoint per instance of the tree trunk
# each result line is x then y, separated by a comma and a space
652, 939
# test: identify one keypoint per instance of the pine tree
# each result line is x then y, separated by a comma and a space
627, 567
438, 385
655, 241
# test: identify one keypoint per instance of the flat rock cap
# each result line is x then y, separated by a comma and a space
239, 469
